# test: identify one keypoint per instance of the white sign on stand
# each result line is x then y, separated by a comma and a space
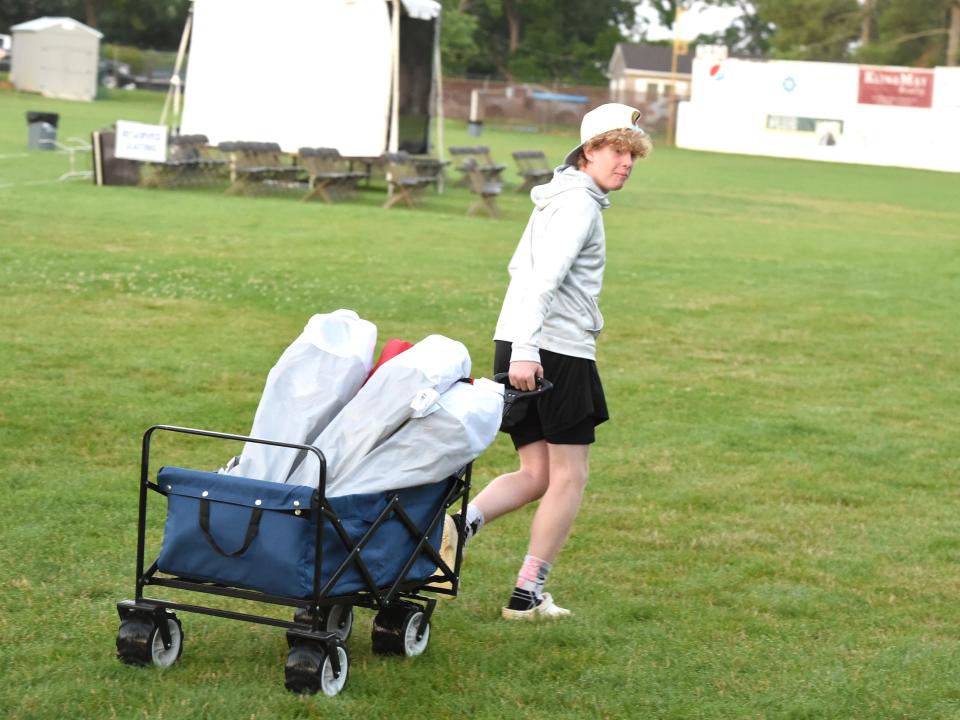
137, 141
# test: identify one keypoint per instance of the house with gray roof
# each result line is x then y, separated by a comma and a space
640, 74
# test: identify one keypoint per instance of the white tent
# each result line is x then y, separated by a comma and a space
56, 56
313, 73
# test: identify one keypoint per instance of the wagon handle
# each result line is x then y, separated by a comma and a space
511, 394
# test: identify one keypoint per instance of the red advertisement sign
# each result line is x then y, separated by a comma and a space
905, 88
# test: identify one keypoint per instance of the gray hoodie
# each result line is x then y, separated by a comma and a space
556, 271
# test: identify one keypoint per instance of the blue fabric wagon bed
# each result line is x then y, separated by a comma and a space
261, 536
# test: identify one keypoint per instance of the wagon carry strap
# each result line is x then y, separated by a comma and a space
252, 529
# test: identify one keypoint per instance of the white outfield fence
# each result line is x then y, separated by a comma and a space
903, 117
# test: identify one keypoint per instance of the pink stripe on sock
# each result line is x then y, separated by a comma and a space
533, 574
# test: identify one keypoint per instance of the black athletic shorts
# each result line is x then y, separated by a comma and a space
568, 414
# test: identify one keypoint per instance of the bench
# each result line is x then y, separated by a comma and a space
480, 157
189, 162
370, 166
484, 187
256, 165
533, 167
329, 176
406, 184
432, 168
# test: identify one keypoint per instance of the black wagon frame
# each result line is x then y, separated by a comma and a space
150, 630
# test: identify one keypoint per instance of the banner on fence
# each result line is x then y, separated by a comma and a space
903, 88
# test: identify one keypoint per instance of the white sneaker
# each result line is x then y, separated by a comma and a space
546, 610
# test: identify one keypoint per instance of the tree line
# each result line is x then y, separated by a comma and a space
572, 40
147, 24
920, 33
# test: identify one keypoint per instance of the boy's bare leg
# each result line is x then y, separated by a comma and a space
514, 490
569, 469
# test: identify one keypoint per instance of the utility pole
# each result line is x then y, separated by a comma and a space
679, 48
953, 39
866, 25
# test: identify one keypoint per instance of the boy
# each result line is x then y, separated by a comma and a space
548, 327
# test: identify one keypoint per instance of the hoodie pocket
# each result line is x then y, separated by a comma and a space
587, 312
596, 317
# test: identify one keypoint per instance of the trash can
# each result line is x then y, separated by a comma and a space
474, 127
42, 130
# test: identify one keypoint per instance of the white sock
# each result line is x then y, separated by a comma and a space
473, 521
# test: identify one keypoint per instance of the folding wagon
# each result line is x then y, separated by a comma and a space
290, 545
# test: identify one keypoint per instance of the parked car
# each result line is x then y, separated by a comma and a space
114, 74
6, 44
155, 80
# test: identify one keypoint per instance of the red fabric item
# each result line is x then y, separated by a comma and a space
392, 348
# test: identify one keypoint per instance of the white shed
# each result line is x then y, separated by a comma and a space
55, 56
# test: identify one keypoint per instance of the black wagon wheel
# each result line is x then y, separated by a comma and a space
337, 619
310, 669
140, 641
400, 629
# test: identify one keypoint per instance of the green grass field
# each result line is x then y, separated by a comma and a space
771, 527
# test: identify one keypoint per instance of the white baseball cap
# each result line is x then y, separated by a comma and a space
612, 116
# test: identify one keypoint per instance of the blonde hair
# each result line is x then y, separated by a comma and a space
622, 140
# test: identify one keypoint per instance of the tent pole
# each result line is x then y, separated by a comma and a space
177, 70
438, 80
173, 92
395, 100
394, 142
